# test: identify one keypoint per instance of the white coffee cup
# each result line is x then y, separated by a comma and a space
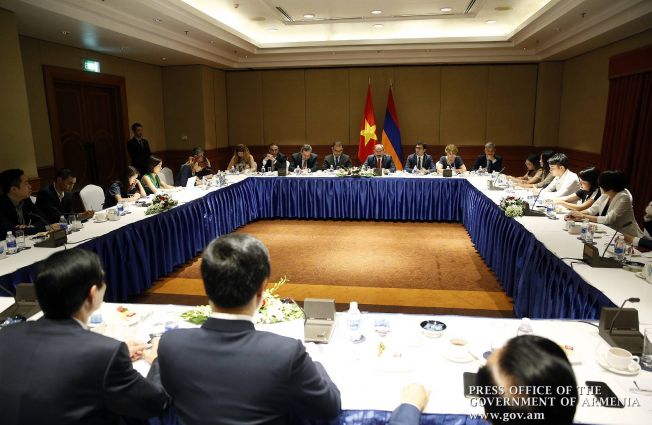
647, 272
458, 348
100, 216
113, 215
621, 359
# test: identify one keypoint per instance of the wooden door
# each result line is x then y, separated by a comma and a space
89, 128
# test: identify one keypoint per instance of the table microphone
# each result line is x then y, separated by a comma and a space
612, 239
620, 309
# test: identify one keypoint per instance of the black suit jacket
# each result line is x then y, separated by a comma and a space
481, 161
344, 162
56, 372
297, 160
645, 243
9, 217
48, 202
405, 414
387, 162
139, 152
280, 160
226, 372
411, 162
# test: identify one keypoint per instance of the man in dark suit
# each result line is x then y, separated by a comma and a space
56, 200
489, 161
304, 160
228, 372
17, 212
420, 160
55, 371
138, 149
337, 159
380, 160
274, 159
414, 398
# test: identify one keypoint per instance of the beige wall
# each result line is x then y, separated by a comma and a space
585, 92
466, 105
143, 83
16, 141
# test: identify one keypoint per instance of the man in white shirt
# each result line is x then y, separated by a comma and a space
565, 182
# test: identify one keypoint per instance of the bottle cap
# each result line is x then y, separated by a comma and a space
353, 305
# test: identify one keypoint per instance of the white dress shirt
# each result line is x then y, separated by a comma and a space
560, 186
229, 316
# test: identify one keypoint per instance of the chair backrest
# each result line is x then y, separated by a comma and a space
92, 197
167, 176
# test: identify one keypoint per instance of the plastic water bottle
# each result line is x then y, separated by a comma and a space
64, 224
120, 208
550, 209
353, 318
584, 229
12, 248
525, 328
510, 186
262, 170
619, 248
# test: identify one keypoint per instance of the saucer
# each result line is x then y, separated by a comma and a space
99, 221
629, 372
465, 358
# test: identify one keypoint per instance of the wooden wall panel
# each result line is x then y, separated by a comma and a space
548, 103
244, 97
284, 107
463, 105
511, 97
327, 106
417, 96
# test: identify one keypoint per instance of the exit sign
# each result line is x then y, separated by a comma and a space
91, 65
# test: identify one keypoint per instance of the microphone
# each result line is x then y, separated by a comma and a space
42, 218
620, 309
612, 239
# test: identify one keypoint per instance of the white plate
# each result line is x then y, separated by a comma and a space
630, 372
457, 359
99, 221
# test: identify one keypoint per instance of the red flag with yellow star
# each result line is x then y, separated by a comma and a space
368, 137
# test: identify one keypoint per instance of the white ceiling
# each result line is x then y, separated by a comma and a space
234, 34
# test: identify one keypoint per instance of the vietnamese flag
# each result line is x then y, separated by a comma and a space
368, 137
392, 133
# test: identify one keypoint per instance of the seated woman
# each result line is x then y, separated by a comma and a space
588, 193
614, 207
533, 173
151, 182
546, 175
451, 160
242, 159
128, 189
196, 166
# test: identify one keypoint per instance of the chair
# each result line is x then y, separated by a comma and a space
92, 197
167, 176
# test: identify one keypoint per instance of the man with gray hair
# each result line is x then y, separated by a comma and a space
337, 159
489, 161
304, 160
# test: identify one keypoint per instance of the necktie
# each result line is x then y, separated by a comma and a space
380, 165
419, 164
337, 161
303, 164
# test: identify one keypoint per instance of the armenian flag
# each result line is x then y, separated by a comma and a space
391, 137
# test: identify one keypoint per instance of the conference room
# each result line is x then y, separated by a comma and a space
415, 190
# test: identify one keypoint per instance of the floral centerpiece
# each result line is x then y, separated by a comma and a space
354, 172
513, 206
161, 202
273, 310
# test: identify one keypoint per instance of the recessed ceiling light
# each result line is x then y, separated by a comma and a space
378, 25
157, 20
490, 22
164, 59
446, 9
65, 32
376, 12
272, 29
309, 15
124, 48
212, 42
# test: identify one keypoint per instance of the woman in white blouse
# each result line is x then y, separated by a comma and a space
614, 207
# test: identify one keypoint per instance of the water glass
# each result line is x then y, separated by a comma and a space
646, 355
20, 239
71, 222
77, 225
381, 326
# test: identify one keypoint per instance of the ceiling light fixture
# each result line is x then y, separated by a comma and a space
376, 12
446, 9
65, 32
164, 59
272, 29
309, 15
378, 25
490, 22
157, 20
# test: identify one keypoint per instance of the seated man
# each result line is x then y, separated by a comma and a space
565, 182
274, 159
304, 160
196, 166
228, 370
337, 159
55, 371
646, 240
489, 161
56, 200
420, 160
380, 160
17, 212
414, 398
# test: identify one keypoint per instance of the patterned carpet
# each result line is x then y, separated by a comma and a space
429, 268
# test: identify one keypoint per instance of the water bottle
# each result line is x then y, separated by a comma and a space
584, 229
525, 328
12, 248
331, 169
120, 208
619, 248
550, 209
353, 317
64, 224
510, 186
262, 169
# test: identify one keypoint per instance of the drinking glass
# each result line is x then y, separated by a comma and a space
646, 355
20, 239
71, 222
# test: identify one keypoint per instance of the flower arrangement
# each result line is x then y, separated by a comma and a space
513, 206
273, 309
355, 172
161, 202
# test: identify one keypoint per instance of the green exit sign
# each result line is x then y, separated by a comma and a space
91, 65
